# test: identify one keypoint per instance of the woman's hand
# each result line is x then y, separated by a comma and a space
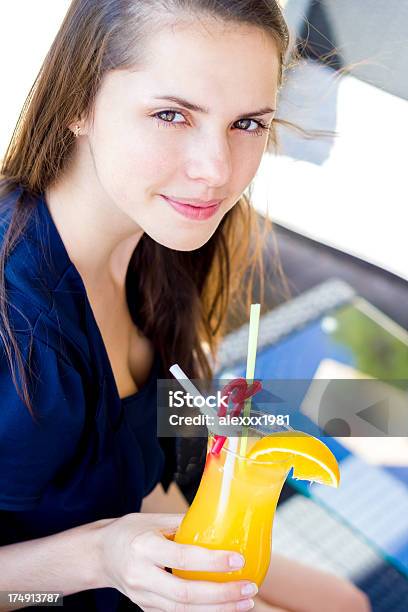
134, 552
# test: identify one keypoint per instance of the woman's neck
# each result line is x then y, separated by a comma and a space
98, 236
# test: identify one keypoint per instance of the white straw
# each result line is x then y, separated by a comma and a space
233, 442
184, 381
188, 386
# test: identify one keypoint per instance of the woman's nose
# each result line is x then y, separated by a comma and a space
210, 162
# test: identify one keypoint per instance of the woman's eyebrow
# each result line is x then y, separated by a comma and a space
201, 109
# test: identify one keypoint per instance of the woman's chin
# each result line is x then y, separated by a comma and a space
183, 242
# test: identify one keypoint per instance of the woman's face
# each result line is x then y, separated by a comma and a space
148, 150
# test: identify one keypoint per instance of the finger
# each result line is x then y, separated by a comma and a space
168, 523
153, 602
198, 591
169, 520
166, 553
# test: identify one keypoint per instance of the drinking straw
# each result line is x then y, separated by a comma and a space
250, 366
242, 392
233, 385
189, 387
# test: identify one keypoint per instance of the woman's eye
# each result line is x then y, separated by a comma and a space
258, 126
168, 116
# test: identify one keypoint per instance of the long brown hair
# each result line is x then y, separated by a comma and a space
184, 296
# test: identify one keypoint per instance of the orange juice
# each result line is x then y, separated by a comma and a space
234, 510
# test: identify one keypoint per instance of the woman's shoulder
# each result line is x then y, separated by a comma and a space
36, 260
44, 296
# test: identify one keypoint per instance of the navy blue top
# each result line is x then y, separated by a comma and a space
89, 454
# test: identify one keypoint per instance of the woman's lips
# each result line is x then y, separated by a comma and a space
194, 211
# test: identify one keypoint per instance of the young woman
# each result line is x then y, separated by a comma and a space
125, 234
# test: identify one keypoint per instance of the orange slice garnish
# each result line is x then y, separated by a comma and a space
311, 458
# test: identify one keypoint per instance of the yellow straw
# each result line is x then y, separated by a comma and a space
250, 367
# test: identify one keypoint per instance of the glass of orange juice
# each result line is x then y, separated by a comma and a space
234, 508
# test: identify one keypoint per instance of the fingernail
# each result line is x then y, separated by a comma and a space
249, 589
245, 604
236, 561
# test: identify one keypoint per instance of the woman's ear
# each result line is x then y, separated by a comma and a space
78, 128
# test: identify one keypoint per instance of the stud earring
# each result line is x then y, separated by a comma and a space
77, 131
